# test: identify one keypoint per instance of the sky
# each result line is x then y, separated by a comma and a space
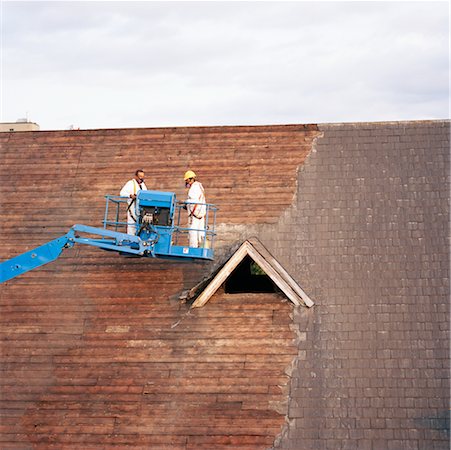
112, 64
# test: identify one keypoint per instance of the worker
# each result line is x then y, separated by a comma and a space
130, 190
196, 207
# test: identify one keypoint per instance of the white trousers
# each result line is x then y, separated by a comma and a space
196, 233
131, 222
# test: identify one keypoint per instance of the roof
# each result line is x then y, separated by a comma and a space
94, 352
97, 351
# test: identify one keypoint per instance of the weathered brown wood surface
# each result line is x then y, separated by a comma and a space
94, 354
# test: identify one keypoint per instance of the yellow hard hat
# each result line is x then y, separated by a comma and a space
189, 174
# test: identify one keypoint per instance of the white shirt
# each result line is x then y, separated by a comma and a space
131, 188
196, 194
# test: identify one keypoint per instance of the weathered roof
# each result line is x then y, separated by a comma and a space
95, 352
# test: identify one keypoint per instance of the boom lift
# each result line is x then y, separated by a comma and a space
158, 234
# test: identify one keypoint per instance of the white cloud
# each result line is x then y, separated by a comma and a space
125, 64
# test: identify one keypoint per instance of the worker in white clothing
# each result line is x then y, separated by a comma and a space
195, 205
130, 190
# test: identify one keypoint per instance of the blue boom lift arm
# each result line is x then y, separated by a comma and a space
158, 234
52, 250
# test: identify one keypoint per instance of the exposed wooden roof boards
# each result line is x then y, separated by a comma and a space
255, 250
110, 359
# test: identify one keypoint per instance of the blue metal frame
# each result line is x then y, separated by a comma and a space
169, 236
34, 258
111, 240
158, 241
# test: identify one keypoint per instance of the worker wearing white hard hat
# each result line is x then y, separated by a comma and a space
196, 207
130, 190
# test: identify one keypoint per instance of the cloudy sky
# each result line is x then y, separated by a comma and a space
115, 64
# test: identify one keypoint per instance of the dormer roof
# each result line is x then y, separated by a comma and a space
273, 269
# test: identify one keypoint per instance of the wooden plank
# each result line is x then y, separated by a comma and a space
273, 274
222, 275
277, 266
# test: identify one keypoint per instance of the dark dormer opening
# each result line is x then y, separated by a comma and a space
249, 277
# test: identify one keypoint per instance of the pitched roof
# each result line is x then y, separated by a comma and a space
94, 354
256, 250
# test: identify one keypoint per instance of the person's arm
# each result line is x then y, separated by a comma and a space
127, 190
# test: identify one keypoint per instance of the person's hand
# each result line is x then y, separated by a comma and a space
133, 196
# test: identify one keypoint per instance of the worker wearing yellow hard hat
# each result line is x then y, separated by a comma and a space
196, 207
189, 174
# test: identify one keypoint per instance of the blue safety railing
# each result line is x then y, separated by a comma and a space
115, 219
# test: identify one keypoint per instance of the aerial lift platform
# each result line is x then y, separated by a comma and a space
158, 234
